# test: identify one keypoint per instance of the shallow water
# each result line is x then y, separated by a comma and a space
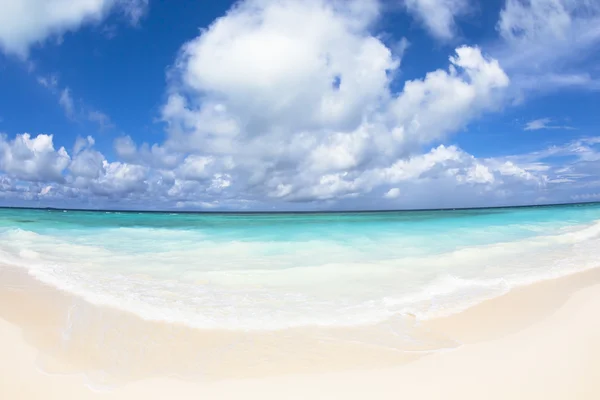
276, 271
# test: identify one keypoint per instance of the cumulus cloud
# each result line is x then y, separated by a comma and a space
297, 117
118, 179
33, 159
438, 16
125, 148
154, 156
24, 23
451, 164
260, 66
34, 170
86, 162
444, 101
288, 104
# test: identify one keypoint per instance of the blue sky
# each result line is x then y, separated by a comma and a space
298, 105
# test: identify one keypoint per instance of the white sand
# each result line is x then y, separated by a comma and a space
547, 346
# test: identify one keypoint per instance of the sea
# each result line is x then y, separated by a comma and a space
273, 271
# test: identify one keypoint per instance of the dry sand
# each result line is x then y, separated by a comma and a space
537, 342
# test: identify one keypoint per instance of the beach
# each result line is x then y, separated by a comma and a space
299, 199
536, 342
465, 304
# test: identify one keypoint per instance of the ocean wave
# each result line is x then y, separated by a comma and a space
256, 285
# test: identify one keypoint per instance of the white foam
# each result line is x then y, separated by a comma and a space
261, 285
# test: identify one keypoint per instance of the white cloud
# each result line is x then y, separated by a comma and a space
196, 204
568, 170
33, 168
261, 63
537, 124
444, 101
448, 163
82, 143
537, 21
438, 16
298, 116
125, 148
86, 162
24, 23
45, 190
78, 112
556, 81
119, 179
546, 43
102, 120
543, 123
66, 102
479, 174
509, 168
195, 168
155, 156
266, 111
33, 159
49, 82
91, 172
134, 10
393, 193
586, 197
458, 179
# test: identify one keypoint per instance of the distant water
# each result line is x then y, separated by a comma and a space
274, 271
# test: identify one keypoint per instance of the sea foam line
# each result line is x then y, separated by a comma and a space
435, 299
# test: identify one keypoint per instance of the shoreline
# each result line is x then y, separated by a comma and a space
68, 337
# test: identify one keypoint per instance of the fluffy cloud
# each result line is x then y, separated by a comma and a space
299, 117
438, 16
118, 179
86, 162
90, 172
27, 22
262, 111
260, 68
154, 156
445, 101
38, 172
32, 159
33, 168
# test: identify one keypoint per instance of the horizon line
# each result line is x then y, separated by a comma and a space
357, 211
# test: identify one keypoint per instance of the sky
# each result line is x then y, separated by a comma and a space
273, 105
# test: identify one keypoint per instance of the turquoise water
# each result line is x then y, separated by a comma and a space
274, 271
